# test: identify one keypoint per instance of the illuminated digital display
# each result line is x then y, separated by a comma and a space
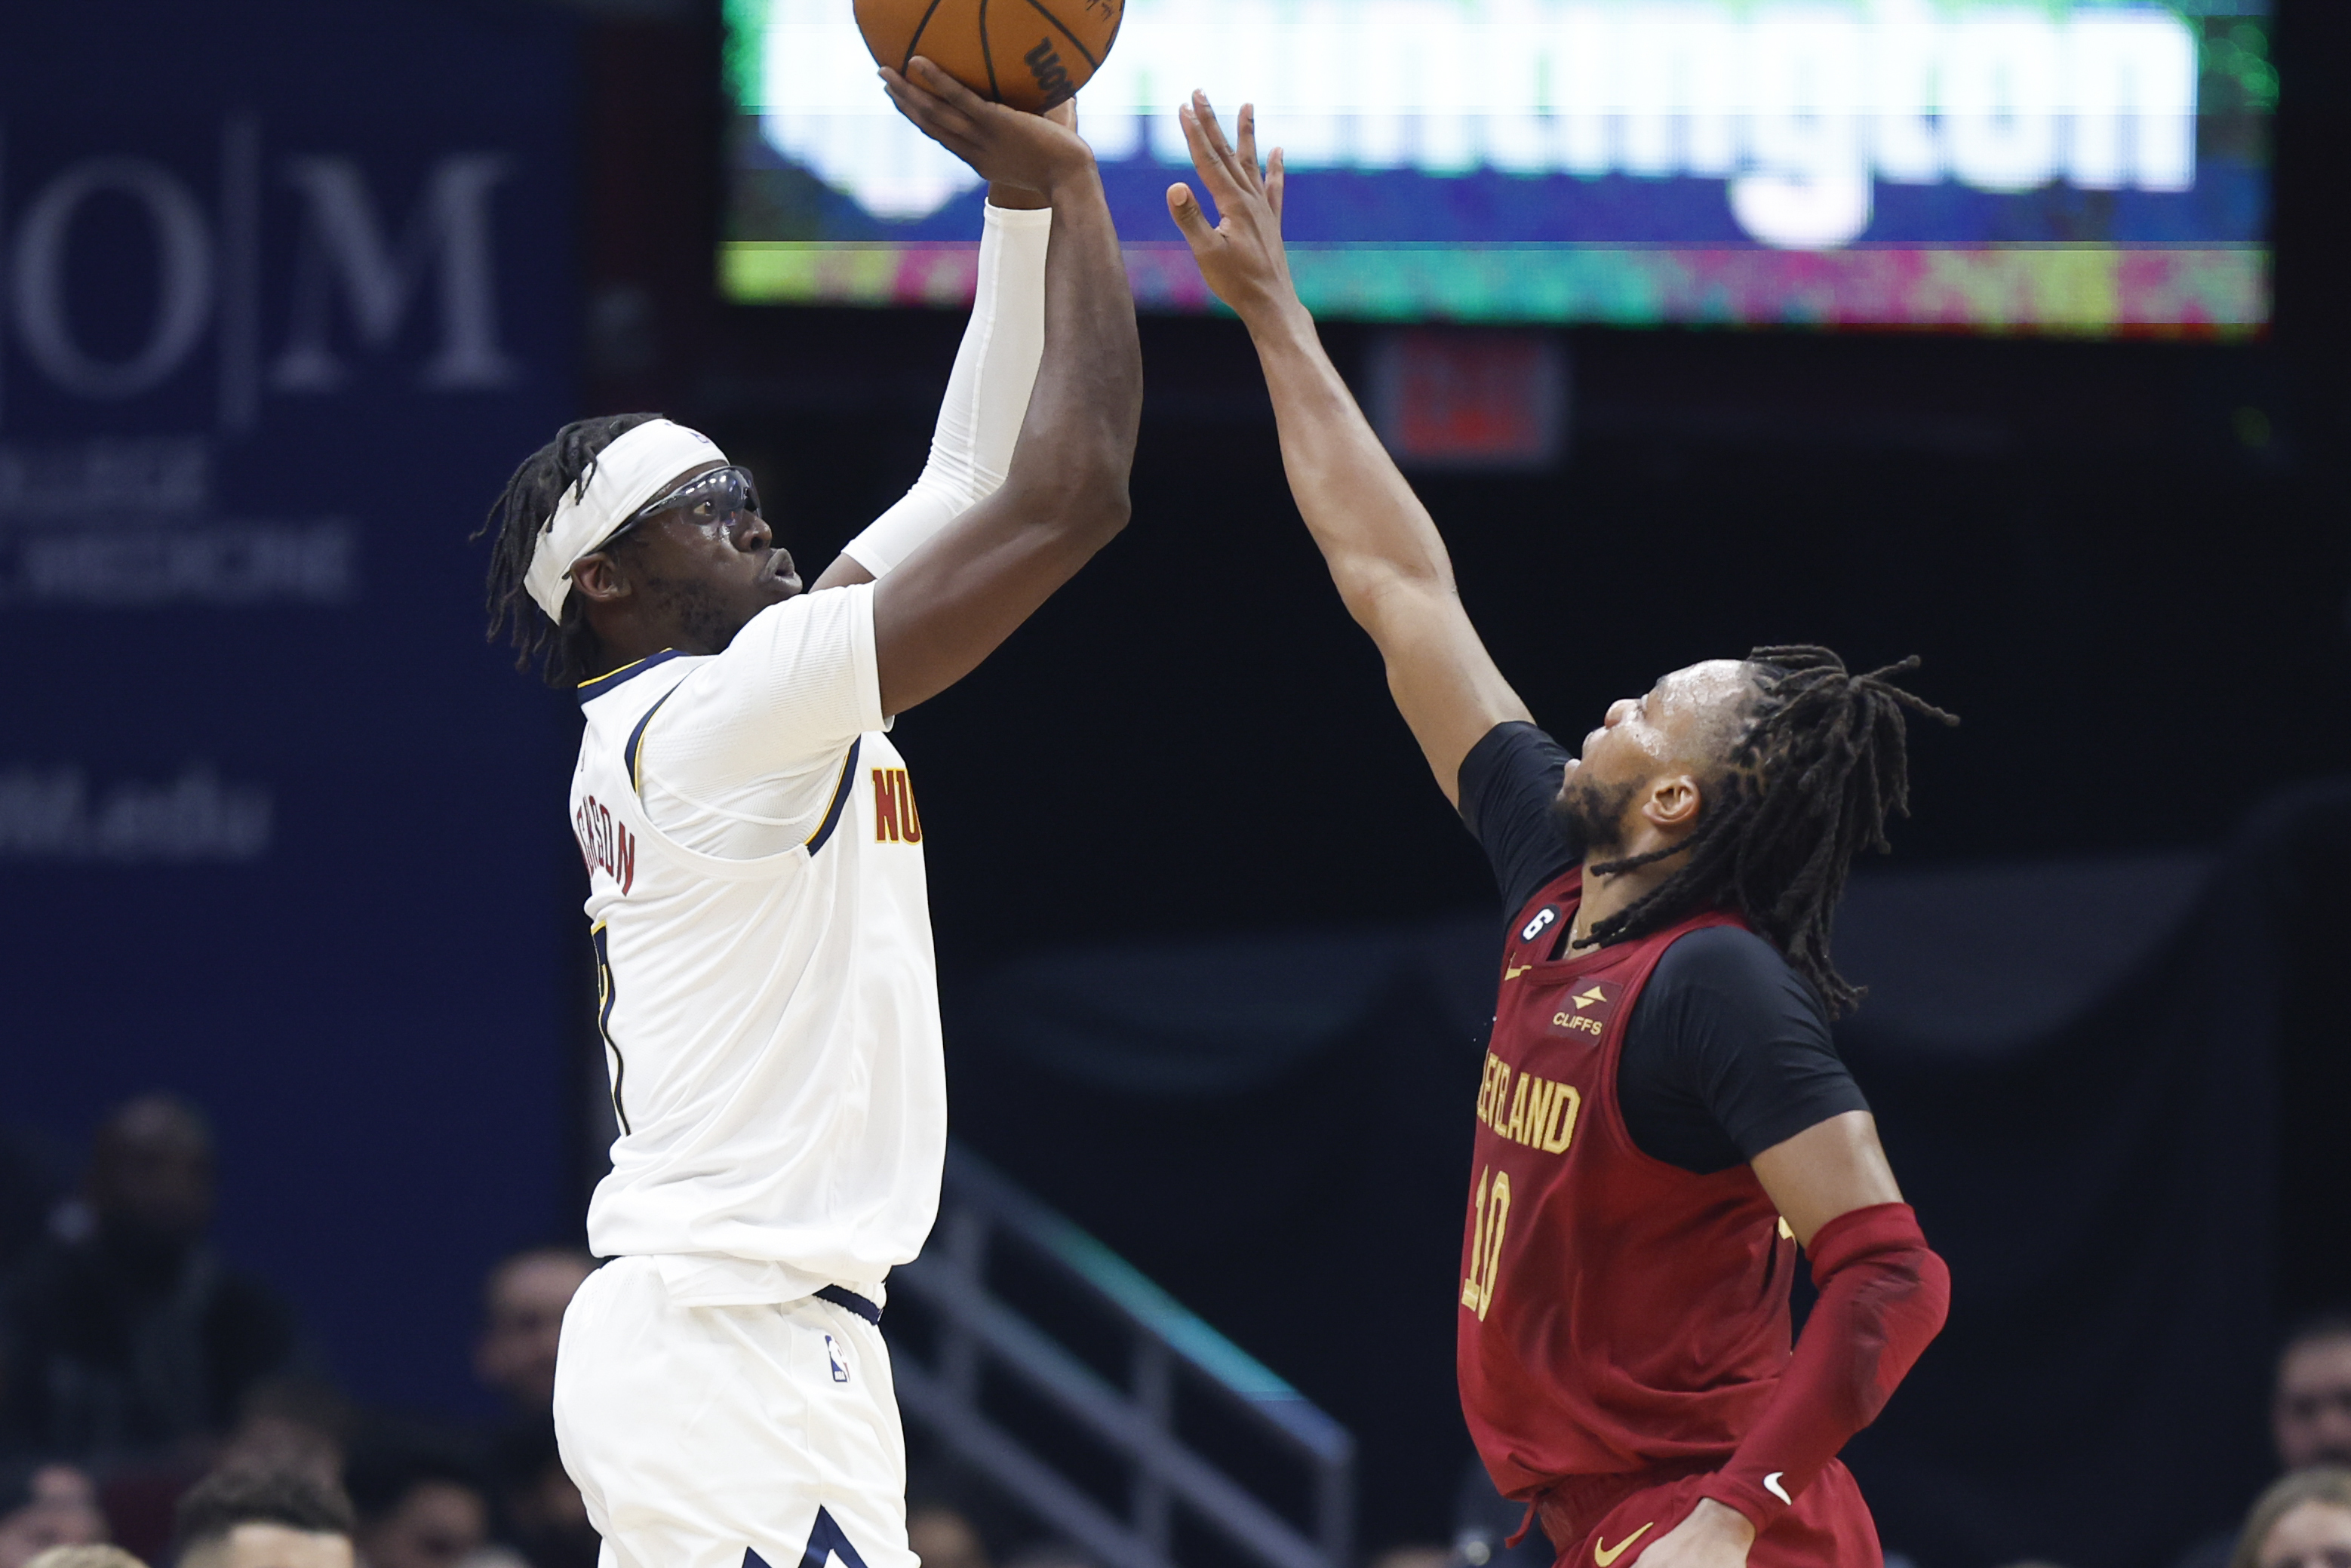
2029, 165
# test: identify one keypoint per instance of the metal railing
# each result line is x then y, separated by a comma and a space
977, 1330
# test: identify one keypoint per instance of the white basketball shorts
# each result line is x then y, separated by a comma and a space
729, 1437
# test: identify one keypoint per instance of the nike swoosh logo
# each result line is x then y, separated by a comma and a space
1771, 1484
1515, 973
1604, 1555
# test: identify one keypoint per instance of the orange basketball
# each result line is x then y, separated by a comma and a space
1030, 54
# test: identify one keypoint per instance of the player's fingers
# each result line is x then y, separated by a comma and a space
927, 108
1211, 128
912, 102
932, 116
1184, 208
1244, 146
1064, 114
905, 99
1214, 173
898, 87
942, 124
1214, 130
944, 86
1276, 180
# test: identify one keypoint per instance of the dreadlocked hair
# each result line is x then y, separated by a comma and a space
1810, 782
567, 651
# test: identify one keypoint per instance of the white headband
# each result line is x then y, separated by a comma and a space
629, 472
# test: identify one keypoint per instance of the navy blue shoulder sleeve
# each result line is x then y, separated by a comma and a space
1727, 1053
1508, 783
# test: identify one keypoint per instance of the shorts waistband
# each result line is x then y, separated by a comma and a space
1569, 1509
850, 1301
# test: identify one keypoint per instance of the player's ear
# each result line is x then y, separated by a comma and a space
1674, 802
598, 578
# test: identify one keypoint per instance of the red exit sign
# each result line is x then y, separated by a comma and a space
1444, 397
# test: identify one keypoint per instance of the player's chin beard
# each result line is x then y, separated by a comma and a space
696, 612
1590, 818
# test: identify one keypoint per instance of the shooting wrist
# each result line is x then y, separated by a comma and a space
1073, 181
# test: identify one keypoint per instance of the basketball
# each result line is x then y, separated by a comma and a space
1030, 54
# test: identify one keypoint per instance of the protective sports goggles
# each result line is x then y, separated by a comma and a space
714, 502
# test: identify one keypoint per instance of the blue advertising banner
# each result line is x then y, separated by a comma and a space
284, 293
2093, 167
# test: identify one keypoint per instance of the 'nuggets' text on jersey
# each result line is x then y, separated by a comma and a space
895, 821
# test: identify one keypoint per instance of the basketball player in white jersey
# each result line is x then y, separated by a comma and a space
723, 1395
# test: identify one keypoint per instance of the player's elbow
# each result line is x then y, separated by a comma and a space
1378, 591
1108, 511
1098, 503
1069, 474
1089, 505
1117, 511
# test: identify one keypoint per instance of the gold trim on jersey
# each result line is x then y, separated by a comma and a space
614, 677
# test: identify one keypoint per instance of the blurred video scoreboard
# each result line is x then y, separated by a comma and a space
2063, 166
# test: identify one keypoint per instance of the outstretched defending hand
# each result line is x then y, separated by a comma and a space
1004, 145
1242, 256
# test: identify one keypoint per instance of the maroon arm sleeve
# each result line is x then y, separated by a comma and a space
1883, 1296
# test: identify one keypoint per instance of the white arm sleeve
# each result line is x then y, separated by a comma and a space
987, 394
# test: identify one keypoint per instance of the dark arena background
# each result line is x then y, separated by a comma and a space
287, 291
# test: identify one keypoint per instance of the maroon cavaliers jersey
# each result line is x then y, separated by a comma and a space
1617, 1313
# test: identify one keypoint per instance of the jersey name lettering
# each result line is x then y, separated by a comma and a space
894, 819
605, 843
1526, 1109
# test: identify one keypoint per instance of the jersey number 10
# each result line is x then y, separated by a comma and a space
1490, 1209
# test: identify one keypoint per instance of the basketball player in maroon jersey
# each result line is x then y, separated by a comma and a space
1662, 1118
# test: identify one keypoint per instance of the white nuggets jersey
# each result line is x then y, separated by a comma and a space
770, 1023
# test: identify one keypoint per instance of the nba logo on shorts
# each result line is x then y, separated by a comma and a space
832, 1353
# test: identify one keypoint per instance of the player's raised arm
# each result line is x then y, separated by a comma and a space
988, 390
1064, 496
1383, 550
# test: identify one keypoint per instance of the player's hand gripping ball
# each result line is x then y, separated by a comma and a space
1030, 54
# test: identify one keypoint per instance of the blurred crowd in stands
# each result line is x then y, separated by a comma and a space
155, 1397
159, 1406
